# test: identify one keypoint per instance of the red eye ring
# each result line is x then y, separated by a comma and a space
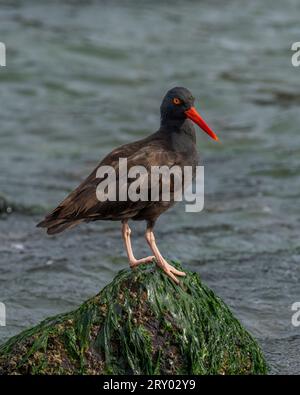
176, 100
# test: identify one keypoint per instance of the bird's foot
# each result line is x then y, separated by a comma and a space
170, 270
136, 262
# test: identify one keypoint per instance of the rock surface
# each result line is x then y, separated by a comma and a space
141, 323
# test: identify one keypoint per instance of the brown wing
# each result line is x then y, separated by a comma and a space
83, 205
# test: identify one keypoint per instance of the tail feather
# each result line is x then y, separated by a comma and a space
57, 225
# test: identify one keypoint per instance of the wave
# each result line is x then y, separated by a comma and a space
8, 206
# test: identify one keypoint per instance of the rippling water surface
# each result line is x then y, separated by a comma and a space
84, 77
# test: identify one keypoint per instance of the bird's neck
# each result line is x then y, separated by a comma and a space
178, 130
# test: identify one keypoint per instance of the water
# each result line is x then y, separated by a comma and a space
82, 79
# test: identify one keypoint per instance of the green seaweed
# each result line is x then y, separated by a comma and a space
140, 323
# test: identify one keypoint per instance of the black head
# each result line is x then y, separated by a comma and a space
177, 106
175, 103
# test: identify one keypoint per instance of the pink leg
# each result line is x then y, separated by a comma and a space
126, 231
161, 262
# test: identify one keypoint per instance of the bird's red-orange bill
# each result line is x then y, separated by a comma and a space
193, 114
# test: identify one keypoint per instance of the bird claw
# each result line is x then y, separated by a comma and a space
137, 262
170, 270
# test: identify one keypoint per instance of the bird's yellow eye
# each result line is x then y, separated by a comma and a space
176, 100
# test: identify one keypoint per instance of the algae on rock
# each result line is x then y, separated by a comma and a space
141, 323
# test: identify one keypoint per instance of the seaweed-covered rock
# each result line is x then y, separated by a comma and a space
141, 323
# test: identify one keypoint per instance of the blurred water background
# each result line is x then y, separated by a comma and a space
85, 77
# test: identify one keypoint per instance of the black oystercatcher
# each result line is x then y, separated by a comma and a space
173, 144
